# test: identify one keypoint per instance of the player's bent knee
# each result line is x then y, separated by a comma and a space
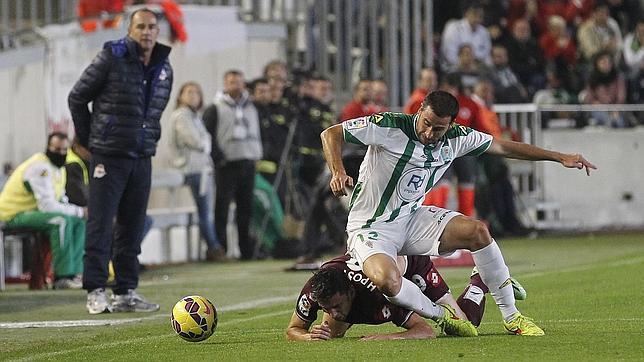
480, 236
389, 284
386, 278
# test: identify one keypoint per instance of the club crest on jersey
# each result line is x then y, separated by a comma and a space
357, 123
412, 184
447, 154
303, 305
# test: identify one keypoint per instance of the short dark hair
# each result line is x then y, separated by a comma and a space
471, 5
233, 72
327, 282
251, 85
319, 77
61, 135
142, 10
442, 104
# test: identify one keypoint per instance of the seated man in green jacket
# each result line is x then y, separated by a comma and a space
34, 198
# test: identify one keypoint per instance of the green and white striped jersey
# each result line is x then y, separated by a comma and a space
398, 170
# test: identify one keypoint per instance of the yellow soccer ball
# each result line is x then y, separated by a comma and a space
194, 318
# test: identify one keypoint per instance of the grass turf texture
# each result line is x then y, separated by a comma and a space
583, 291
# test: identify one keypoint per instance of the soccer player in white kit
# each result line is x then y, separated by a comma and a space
406, 156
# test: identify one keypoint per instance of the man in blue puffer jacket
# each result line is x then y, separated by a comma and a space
128, 84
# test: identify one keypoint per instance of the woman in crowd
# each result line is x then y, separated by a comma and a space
605, 86
191, 144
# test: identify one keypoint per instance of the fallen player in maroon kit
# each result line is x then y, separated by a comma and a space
348, 297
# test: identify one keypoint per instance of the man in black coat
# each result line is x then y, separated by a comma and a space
128, 84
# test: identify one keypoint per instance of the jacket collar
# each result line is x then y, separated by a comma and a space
224, 97
160, 52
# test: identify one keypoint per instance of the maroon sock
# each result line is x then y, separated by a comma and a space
472, 300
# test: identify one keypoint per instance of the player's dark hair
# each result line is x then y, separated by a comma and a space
326, 282
442, 104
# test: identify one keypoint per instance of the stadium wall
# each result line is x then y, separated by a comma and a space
612, 197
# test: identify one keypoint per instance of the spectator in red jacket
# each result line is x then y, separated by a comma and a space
360, 104
556, 44
427, 82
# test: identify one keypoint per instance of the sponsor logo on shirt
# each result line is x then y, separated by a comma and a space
357, 123
412, 184
358, 277
377, 118
442, 215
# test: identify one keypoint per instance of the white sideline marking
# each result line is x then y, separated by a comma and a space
107, 322
71, 323
108, 346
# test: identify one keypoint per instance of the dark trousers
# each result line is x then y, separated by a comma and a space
235, 181
119, 188
499, 198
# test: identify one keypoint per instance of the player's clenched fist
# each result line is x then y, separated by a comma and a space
338, 183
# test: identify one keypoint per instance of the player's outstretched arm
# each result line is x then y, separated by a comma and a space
417, 328
524, 151
298, 330
332, 140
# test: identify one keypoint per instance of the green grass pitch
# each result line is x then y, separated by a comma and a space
584, 291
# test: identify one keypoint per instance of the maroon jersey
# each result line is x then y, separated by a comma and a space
370, 306
421, 271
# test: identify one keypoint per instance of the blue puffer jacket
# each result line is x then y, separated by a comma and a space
124, 121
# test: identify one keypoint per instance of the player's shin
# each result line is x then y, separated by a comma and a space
411, 297
472, 300
496, 276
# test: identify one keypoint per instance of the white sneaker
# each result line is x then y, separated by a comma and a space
97, 302
68, 283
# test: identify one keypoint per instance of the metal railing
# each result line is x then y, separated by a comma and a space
18, 18
346, 40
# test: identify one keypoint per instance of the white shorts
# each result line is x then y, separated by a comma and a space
415, 234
